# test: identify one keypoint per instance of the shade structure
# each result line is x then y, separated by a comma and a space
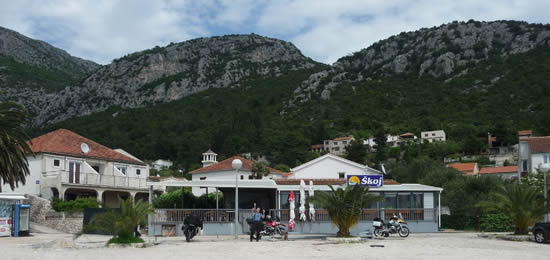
311, 208
302, 209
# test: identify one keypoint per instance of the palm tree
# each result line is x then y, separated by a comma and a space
121, 224
344, 206
522, 203
13, 144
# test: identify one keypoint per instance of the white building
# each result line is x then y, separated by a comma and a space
329, 166
391, 140
335, 146
533, 151
68, 166
213, 170
431, 136
162, 164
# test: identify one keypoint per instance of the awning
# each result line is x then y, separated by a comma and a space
12, 196
173, 182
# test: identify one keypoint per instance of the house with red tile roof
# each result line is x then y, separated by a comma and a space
533, 151
335, 146
69, 166
508, 172
213, 170
466, 168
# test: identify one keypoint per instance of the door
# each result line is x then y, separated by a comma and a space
74, 172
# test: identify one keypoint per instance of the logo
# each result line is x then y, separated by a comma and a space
366, 180
353, 180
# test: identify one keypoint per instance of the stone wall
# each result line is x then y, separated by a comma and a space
42, 213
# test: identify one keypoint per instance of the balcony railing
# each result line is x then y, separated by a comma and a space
173, 216
104, 180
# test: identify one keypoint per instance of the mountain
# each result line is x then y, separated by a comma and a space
28, 63
247, 93
161, 75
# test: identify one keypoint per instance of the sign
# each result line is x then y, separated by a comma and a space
5, 227
366, 180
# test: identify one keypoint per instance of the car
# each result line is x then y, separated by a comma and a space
541, 232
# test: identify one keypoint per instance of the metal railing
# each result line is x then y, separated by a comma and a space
173, 216
85, 178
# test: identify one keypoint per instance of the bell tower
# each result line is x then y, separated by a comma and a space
209, 158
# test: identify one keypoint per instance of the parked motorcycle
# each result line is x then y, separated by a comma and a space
273, 227
395, 225
192, 225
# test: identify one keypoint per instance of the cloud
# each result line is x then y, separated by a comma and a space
325, 30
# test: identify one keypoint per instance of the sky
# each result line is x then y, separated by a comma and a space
323, 30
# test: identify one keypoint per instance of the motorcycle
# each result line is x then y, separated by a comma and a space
395, 225
190, 231
273, 227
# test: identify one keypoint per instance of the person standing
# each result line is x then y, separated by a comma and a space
257, 224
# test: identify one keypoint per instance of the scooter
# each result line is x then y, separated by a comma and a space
395, 225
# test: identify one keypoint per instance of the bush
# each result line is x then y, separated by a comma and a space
74, 205
496, 223
172, 199
459, 222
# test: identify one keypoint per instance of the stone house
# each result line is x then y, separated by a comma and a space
431, 136
533, 151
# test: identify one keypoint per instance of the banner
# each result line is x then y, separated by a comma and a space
366, 180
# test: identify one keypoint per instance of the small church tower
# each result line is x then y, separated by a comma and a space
209, 158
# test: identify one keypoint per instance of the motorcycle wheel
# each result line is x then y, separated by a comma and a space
377, 232
404, 232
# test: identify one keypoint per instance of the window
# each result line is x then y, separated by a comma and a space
122, 169
74, 172
546, 158
336, 148
242, 177
341, 175
327, 142
202, 178
433, 134
56, 162
250, 177
345, 142
138, 171
335, 143
425, 135
524, 165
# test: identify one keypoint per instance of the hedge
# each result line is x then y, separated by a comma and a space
74, 205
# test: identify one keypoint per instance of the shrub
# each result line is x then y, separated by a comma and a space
459, 222
74, 205
496, 223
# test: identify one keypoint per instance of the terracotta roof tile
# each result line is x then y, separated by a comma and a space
463, 166
342, 138
65, 142
539, 144
525, 132
226, 165
322, 181
495, 170
407, 134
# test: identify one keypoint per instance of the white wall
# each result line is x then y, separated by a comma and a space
31, 186
428, 203
328, 168
536, 160
221, 175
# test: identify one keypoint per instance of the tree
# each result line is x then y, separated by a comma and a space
121, 224
14, 148
344, 206
381, 145
522, 203
259, 169
356, 152
282, 167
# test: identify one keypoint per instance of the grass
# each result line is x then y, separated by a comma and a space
118, 240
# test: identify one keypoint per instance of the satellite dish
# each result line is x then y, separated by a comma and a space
84, 147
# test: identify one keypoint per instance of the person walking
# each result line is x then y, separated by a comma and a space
257, 224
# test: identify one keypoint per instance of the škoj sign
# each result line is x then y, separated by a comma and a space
366, 180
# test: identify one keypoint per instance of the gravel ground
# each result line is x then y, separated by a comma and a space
416, 246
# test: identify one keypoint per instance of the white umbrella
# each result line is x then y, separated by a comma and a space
302, 200
291, 222
311, 208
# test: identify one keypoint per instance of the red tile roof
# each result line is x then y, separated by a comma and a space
316, 146
65, 142
226, 165
322, 181
495, 170
539, 144
463, 167
407, 134
525, 132
342, 138
286, 174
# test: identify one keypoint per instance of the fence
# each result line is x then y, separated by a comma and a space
174, 216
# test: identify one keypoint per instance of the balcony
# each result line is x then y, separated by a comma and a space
94, 179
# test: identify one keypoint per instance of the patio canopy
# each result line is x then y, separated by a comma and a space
181, 182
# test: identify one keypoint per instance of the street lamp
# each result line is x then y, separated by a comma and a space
545, 168
236, 164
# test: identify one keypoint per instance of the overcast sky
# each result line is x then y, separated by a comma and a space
323, 30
